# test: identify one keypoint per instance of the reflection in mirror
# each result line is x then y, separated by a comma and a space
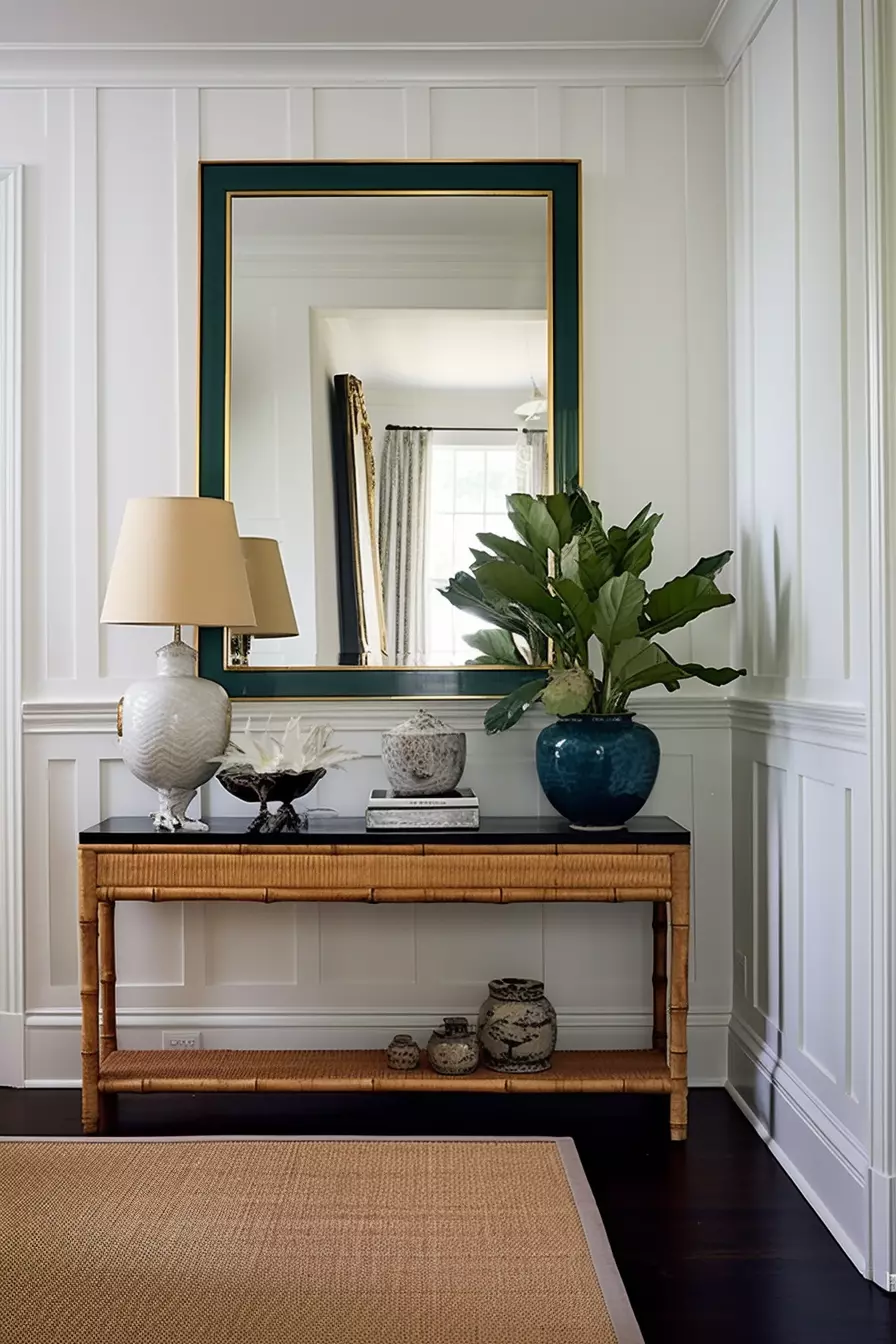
389, 370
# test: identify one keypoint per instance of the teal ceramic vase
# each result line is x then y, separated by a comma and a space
597, 770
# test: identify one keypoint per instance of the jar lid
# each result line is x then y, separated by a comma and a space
512, 988
422, 724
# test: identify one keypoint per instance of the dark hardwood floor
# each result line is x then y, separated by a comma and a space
714, 1242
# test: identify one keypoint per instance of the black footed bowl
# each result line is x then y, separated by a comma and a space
277, 786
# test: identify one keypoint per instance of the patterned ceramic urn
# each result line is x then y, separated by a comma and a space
517, 1027
453, 1047
403, 1053
424, 757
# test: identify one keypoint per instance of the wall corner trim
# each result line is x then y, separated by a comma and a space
733, 27
11, 864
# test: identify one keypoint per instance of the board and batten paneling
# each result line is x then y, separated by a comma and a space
323, 972
110, 394
800, 393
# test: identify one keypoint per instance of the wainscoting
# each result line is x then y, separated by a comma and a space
313, 976
799, 1058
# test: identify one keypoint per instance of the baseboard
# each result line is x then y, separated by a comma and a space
53, 1036
12, 1049
826, 1164
882, 1202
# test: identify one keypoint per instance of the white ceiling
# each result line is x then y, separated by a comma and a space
354, 21
402, 348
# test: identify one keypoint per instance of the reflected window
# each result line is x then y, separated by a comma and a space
468, 487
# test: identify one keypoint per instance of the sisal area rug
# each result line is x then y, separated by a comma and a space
304, 1241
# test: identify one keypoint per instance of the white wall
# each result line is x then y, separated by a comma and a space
801, 380
110, 391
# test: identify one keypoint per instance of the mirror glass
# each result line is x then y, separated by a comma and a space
389, 384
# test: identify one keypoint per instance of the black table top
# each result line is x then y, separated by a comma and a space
352, 830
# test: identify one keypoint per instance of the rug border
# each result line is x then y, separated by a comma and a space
619, 1308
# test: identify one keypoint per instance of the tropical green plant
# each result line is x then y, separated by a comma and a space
567, 582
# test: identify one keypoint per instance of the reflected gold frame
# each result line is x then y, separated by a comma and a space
358, 428
221, 182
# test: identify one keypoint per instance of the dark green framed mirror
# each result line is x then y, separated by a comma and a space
447, 297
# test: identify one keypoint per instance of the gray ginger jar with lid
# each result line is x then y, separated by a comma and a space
424, 757
517, 1026
402, 1053
453, 1048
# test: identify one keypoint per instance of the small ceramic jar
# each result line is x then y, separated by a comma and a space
517, 1026
423, 757
402, 1052
453, 1048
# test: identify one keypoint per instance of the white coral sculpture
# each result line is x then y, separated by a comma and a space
294, 753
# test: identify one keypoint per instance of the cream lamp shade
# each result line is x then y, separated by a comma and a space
274, 616
178, 562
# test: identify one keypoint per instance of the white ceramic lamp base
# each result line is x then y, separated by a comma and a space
172, 727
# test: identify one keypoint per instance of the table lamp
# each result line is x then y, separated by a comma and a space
178, 562
274, 616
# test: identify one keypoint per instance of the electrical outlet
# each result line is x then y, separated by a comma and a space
891, 1283
182, 1040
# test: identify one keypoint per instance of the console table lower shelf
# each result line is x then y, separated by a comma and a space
367, 1071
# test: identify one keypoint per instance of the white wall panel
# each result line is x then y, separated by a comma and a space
801, 385
62, 875
249, 944
770, 827
483, 123
359, 124
244, 123
137, 321
824, 484
825, 900
775, 540
360, 945
149, 949
487, 941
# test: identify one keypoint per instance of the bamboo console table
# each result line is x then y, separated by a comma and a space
537, 859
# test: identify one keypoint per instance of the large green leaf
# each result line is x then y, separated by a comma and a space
510, 710
558, 506
516, 551
679, 602
713, 676
711, 565
580, 562
533, 522
581, 509
580, 609
569, 692
465, 593
496, 645
618, 608
519, 586
637, 663
638, 553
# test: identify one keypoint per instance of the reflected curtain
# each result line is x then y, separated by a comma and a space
403, 495
532, 476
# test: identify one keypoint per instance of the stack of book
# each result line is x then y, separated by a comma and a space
454, 811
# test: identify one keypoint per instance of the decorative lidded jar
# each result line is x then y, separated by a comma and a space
402, 1052
517, 1026
453, 1048
424, 757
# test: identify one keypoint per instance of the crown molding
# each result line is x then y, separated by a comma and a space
732, 28
223, 65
